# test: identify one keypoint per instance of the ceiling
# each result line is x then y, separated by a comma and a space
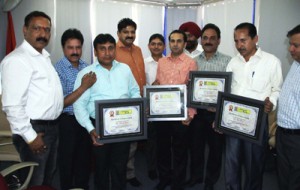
173, 2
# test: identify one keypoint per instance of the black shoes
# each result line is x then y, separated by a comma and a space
193, 182
208, 187
134, 182
152, 174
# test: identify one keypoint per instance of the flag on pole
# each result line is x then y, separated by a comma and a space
10, 35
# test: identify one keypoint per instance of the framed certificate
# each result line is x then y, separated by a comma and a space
204, 87
241, 117
166, 102
121, 120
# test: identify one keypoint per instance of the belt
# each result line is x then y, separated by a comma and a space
43, 122
289, 131
68, 113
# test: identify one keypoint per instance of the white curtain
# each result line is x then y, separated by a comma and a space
91, 17
225, 14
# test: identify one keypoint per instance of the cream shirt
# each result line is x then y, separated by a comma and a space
31, 89
258, 78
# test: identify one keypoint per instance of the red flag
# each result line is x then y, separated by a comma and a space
10, 35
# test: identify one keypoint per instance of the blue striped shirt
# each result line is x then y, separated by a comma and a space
288, 115
67, 74
116, 83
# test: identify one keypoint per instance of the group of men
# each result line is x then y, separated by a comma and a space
52, 108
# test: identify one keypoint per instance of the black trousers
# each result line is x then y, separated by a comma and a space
288, 159
172, 152
74, 153
151, 146
110, 170
200, 133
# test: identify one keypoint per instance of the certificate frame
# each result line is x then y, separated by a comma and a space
178, 91
201, 76
116, 108
242, 111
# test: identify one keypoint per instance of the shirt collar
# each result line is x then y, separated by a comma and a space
69, 64
202, 55
98, 65
121, 45
180, 57
258, 54
33, 51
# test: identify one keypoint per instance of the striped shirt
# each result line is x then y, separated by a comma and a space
218, 62
67, 74
288, 115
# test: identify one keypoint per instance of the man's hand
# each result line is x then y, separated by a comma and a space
94, 137
88, 80
268, 105
214, 128
187, 121
155, 82
38, 146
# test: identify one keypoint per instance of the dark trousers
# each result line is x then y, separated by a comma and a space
74, 152
200, 133
288, 160
151, 147
252, 155
42, 174
172, 149
110, 166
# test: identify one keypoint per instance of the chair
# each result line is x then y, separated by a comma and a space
16, 167
7, 149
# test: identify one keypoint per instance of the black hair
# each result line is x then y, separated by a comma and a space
294, 31
102, 39
35, 14
159, 36
126, 22
249, 26
71, 33
213, 27
179, 32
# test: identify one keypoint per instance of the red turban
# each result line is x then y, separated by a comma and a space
192, 28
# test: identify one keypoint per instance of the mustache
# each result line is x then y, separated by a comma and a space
75, 55
207, 44
42, 39
129, 38
241, 49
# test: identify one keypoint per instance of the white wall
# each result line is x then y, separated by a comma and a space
277, 17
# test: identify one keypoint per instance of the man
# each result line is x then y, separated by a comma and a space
74, 141
130, 54
156, 46
193, 33
288, 131
32, 98
114, 81
172, 135
256, 74
200, 128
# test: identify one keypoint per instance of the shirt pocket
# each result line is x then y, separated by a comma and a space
260, 82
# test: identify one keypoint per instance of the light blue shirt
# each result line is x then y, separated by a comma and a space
288, 115
116, 83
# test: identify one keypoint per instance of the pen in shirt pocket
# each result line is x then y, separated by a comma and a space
253, 74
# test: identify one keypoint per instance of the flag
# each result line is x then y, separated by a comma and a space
10, 35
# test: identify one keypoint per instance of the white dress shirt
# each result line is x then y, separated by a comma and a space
150, 70
194, 53
258, 78
31, 89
